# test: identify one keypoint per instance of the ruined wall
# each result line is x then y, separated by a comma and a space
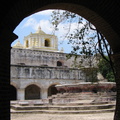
35, 67
44, 77
36, 72
45, 58
36, 57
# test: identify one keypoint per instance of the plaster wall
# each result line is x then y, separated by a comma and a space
37, 67
45, 58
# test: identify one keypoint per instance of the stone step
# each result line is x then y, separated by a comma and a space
85, 103
62, 112
70, 108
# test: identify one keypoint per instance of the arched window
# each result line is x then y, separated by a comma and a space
59, 63
27, 44
47, 43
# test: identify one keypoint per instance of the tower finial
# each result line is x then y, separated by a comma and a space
39, 30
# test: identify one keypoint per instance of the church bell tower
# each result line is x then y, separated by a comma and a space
41, 41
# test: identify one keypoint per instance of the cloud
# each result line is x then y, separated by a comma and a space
34, 24
45, 12
31, 22
65, 29
44, 23
39, 19
46, 26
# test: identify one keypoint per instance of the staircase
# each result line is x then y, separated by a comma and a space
65, 109
66, 104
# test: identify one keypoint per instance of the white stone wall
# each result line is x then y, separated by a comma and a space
43, 58
44, 77
36, 57
40, 68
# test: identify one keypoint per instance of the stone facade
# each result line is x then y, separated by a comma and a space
39, 64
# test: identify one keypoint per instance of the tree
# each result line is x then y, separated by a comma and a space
105, 69
86, 40
93, 45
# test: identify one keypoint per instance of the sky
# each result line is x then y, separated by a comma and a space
42, 19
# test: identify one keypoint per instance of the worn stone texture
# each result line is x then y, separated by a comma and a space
38, 62
103, 14
27, 70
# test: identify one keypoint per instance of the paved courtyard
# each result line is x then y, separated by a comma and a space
98, 116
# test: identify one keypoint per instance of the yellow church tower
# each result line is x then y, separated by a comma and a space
41, 41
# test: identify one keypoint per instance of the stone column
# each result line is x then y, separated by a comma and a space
116, 59
21, 94
44, 93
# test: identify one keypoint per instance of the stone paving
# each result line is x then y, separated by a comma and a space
100, 116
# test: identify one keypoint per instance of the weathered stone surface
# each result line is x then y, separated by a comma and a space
38, 62
35, 72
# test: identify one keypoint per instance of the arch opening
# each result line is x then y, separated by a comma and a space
59, 63
27, 44
13, 93
32, 92
52, 90
47, 43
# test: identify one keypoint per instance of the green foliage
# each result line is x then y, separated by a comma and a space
105, 69
91, 74
85, 40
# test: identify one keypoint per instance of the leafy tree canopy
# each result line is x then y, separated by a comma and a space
105, 69
86, 40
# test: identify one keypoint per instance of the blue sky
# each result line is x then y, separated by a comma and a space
31, 23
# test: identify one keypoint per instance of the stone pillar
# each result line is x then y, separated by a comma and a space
5, 43
21, 94
44, 93
116, 59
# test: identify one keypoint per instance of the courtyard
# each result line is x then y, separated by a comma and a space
32, 116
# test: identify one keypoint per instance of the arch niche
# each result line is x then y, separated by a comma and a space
103, 14
32, 92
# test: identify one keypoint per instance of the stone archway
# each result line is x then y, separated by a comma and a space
13, 93
32, 92
108, 10
52, 90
